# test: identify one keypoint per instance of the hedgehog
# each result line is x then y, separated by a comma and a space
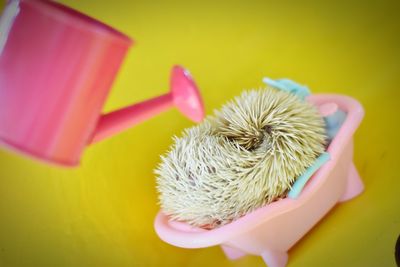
247, 155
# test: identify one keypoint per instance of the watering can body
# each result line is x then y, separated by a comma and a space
56, 68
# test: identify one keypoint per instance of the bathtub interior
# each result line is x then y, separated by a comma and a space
184, 235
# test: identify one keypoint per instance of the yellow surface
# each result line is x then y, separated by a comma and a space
101, 214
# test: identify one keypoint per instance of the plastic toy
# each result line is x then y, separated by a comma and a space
272, 230
56, 68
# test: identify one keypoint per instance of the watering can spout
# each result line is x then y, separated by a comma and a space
183, 94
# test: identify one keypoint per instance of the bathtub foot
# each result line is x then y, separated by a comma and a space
354, 185
232, 253
274, 258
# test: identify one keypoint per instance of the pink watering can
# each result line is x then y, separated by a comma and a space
56, 68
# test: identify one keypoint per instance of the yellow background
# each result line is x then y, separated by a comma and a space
101, 214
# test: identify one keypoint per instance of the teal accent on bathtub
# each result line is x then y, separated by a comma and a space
302, 180
290, 86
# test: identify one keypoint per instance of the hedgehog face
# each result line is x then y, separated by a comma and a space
244, 157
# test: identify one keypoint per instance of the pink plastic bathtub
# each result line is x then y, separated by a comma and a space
272, 230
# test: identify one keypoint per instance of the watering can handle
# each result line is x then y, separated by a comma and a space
183, 94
